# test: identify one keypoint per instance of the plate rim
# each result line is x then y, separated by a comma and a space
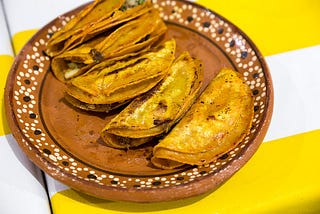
199, 186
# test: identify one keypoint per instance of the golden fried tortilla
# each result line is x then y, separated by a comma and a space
155, 112
94, 19
215, 124
120, 81
133, 37
93, 107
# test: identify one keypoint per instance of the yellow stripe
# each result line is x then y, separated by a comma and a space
21, 38
18, 41
282, 177
274, 26
5, 62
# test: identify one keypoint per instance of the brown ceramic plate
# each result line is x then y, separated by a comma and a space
65, 142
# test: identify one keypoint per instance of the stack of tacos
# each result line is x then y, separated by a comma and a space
95, 19
113, 53
104, 30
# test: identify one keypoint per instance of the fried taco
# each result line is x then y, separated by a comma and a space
155, 112
115, 82
131, 38
216, 123
94, 19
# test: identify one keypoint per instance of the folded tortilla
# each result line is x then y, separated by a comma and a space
216, 123
131, 38
155, 112
115, 82
93, 107
94, 19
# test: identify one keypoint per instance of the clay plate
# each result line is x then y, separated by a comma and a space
65, 143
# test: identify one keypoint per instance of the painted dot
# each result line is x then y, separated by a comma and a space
114, 182
255, 75
37, 132
32, 115
46, 151
224, 156
206, 24
220, 30
52, 157
156, 183
232, 43
65, 163
27, 82
244, 54
91, 176
189, 18
255, 92
26, 98
35, 67
256, 108
180, 178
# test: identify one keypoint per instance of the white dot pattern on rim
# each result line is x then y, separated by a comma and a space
36, 64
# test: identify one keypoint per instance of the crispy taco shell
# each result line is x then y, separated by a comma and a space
94, 19
93, 107
154, 113
120, 81
131, 38
215, 124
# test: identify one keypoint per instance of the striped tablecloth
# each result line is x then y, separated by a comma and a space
282, 177
22, 185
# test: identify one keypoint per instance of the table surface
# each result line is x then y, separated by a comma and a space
282, 177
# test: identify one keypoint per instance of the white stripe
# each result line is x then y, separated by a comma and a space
5, 44
54, 186
34, 14
21, 183
296, 81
